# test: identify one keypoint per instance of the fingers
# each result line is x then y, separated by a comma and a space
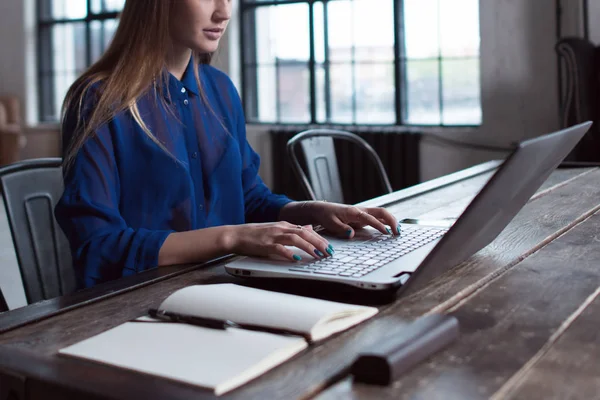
335, 226
319, 242
385, 217
302, 237
304, 240
285, 252
362, 216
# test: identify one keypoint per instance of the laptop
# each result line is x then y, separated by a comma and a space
423, 250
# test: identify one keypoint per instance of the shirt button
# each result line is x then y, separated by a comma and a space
182, 90
194, 155
200, 207
186, 102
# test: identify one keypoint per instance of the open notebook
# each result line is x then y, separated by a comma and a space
220, 360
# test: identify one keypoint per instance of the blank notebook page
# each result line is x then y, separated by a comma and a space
221, 359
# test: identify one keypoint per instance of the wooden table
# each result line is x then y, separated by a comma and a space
528, 305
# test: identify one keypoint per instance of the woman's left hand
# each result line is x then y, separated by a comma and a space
343, 220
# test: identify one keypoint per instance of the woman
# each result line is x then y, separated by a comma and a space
158, 170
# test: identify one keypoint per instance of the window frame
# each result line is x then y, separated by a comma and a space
247, 34
45, 47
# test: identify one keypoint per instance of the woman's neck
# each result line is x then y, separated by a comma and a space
178, 60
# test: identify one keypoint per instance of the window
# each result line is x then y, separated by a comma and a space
72, 35
406, 62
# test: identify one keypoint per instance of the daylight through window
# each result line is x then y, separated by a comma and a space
413, 62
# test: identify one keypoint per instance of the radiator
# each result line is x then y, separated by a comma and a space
398, 150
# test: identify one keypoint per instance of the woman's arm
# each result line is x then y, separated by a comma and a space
196, 246
266, 239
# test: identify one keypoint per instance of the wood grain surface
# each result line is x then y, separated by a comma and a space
567, 367
508, 323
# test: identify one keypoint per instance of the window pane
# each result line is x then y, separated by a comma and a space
459, 28
102, 33
422, 93
96, 40
319, 24
281, 33
282, 93
375, 92
68, 58
100, 6
294, 94
62, 9
461, 92
421, 28
321, 93
340, 32
96, 6
265, 78
110, 27
361, 30
68, 47
342, 109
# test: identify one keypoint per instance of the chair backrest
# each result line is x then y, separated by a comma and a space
30, 190
323, 181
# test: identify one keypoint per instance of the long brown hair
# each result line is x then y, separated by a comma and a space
133, 63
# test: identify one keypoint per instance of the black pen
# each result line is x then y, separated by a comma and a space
191, 319
220, 324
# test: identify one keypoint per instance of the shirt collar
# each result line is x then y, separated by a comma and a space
188, 80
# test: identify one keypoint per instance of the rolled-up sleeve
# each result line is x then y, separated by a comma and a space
103, 246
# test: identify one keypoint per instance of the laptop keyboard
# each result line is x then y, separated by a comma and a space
360, 258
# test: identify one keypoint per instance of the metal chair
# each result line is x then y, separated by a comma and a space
30, 190
321, 162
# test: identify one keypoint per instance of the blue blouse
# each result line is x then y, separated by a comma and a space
124, 194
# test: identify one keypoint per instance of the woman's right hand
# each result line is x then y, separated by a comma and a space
270, 239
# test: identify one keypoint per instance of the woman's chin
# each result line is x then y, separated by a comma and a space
207, 47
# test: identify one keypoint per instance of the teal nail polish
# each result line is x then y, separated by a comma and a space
398, 230
349, 232
330, 251
388, 230
297, 257
317, 252
330, 246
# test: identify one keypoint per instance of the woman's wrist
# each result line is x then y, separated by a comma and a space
299, 212
198, 245
227, 238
